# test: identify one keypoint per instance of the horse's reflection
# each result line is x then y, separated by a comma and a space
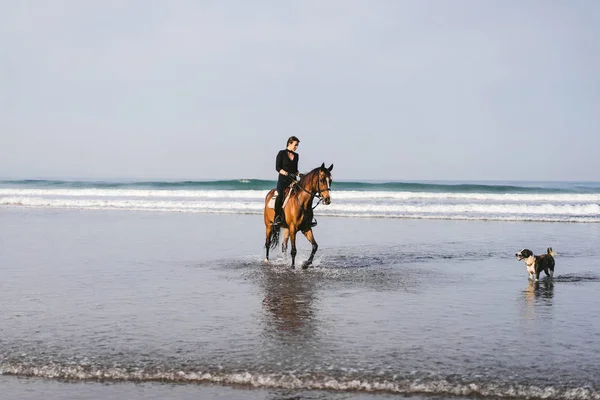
288, 303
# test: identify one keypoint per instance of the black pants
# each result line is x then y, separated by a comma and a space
282, 183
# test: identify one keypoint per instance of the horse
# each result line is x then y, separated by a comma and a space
298, 212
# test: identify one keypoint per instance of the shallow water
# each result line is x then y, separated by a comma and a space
175, 303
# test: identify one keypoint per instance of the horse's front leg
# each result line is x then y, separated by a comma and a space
292, 234
284, 244
309, 235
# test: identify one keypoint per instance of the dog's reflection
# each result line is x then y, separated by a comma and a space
288, 302
538, 298
540, 291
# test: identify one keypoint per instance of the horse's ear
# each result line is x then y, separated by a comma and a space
323, 166
330, 168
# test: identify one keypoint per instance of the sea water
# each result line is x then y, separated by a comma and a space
154, 290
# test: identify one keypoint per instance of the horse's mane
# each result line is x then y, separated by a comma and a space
306, 178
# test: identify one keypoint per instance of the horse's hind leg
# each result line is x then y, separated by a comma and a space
309, 235
284, 244
268, 242
292, 232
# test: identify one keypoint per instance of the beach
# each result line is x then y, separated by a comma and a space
424, 145
113, 304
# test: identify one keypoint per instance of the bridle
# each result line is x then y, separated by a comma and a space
316, 194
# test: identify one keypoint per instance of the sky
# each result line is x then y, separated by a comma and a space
382, 89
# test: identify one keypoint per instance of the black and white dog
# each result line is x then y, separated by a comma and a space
537, 264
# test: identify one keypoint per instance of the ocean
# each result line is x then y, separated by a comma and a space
502, 201
145, 290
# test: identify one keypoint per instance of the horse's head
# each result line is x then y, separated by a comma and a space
317, 183
324, 183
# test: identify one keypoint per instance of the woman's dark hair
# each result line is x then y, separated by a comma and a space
293, 139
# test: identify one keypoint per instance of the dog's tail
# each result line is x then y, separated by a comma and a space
551, 252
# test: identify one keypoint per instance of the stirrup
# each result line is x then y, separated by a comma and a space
313, 223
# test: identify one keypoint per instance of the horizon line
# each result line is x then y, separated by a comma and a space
348, 180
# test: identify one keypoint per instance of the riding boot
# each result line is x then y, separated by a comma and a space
278, 218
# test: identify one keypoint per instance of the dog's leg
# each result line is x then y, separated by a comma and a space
551, 275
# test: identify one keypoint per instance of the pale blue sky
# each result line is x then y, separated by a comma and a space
386, 90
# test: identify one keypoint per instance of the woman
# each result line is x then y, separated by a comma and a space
286, 165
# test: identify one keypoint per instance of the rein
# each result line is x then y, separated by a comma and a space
316, 194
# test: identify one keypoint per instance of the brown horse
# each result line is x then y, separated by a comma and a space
299, 212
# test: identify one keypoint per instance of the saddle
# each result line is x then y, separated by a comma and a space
286, 193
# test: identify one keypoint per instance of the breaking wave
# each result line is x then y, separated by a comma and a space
405, 385
498, 203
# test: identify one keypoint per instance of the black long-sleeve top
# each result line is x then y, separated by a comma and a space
284, 162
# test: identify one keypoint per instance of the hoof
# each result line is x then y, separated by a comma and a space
266, 260
305, 265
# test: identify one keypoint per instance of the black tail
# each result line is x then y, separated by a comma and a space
274, 237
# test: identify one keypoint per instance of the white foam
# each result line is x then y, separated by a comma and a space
117, 193
340, 195
132, 205
475, 208
347, 204
508, 197
290, 380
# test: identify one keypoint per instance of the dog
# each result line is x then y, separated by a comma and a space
537, 264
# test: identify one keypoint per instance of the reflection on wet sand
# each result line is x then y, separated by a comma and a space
288, 302
540, 290
537, 294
